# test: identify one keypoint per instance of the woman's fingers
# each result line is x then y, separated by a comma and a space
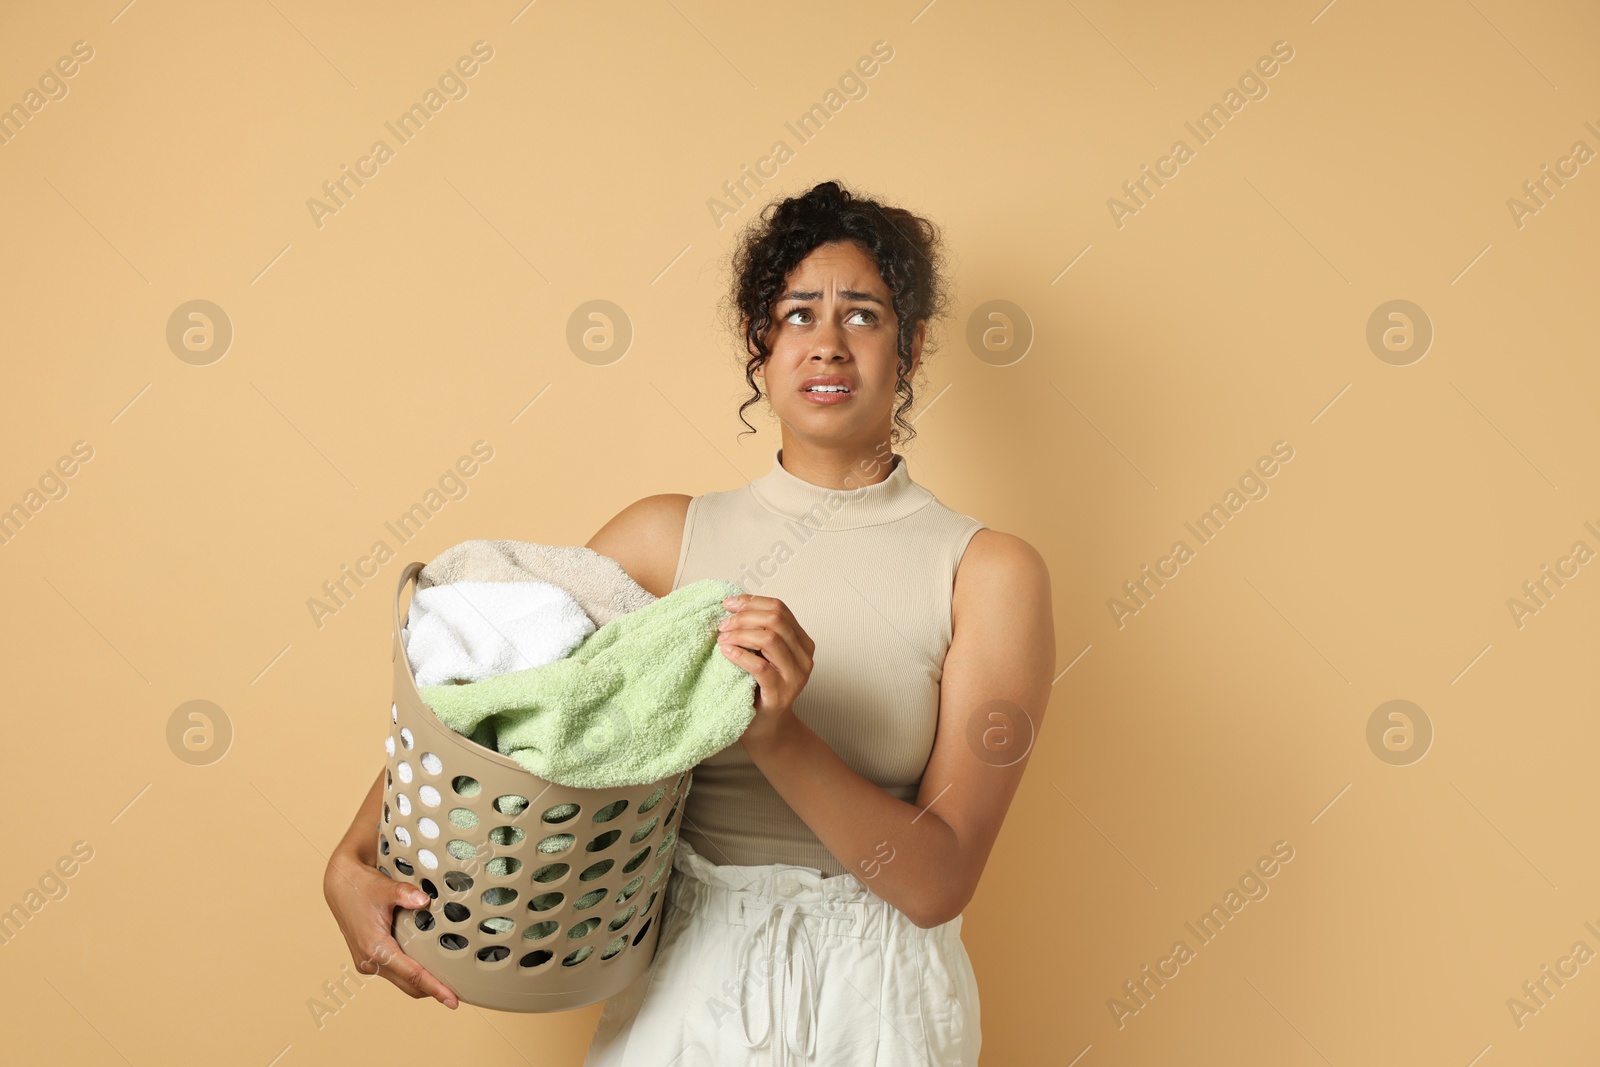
407, 895
387, 958
777, 619
764, 642
382, 955
414, 978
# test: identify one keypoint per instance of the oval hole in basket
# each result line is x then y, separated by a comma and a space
560, 813
556, 843
630, 889
615, 947
577, 956
499, 896
405, 737
637, 859
429, 796
383, 845
666, 842
403, 836
603, 842
596, 870
611, 811
638, 937
545, 901
423, 920
583, 929
652, 800
452, 942
493, 954
644, 831
463, 818
431, 763
403, 804
426, 857
457, 912
459, 881
589, 900
511, 804
550, 872
497, 924
534, 959
404, 867
507, 835
461, 850
622, 920
465, 786
503, 866
540, 931
429, 888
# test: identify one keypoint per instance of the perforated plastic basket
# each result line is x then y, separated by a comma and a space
544, 897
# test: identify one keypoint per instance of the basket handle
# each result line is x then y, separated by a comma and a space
411, 571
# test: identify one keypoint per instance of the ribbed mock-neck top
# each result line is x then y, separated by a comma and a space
869, 574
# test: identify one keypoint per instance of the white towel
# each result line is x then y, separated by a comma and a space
469, 631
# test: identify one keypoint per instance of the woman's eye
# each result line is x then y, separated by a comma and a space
868, 317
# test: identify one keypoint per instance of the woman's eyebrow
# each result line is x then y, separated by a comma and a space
816, 294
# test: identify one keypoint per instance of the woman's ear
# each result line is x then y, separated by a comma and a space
916, 347
744, 332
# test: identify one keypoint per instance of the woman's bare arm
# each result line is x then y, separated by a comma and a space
926, 857
645, 538
363, 900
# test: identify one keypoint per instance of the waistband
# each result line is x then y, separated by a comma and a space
782, 909
747, 895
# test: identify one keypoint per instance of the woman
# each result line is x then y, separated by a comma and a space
814, 911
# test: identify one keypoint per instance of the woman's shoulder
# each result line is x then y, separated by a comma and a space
998, 565
645, 537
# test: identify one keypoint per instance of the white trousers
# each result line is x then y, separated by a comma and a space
775, 964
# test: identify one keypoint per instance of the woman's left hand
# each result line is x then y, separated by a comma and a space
763, 637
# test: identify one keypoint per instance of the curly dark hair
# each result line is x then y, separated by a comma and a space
906, 248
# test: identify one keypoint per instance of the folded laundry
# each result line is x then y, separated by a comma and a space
645, 696
598, 583
468, 631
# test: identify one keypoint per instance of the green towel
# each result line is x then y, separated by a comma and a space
646, 696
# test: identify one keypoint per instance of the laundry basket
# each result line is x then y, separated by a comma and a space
543, 897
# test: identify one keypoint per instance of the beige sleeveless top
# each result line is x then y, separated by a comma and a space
868, 573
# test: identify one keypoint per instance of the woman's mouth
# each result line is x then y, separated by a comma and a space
827, 389
826, 394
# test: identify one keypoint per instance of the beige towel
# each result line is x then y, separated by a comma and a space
598, 583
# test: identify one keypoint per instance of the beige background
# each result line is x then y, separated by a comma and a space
1230, 312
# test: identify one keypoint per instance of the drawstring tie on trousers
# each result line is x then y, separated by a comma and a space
788, 996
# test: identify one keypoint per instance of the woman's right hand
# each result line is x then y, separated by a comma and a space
363, 900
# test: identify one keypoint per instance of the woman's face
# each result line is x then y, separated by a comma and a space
835, 319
